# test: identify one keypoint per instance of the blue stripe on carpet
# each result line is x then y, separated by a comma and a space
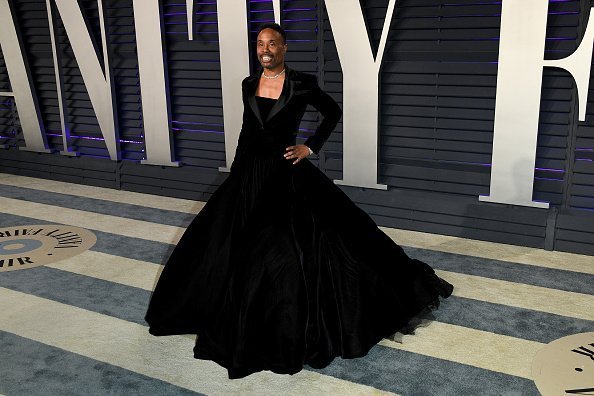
409, 373
117, 245
510, 321
32, 368
97, 295
550, 278
129, 211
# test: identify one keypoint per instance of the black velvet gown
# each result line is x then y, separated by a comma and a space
281, 269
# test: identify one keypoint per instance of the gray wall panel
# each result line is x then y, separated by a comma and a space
436, 120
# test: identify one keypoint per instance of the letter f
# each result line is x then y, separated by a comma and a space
517, 106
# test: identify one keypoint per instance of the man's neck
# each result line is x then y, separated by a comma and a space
273, 72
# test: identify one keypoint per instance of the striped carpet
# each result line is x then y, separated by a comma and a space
76, 326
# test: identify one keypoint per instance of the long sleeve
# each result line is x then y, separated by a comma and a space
241, 141
331, 112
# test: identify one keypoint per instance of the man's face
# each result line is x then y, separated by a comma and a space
271, 48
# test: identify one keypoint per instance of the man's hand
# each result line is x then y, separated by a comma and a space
299, 151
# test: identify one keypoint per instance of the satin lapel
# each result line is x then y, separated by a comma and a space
252, 96
285, 97
283, 100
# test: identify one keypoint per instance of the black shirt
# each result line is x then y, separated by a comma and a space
265, 105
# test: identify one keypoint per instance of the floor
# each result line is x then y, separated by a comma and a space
76, 326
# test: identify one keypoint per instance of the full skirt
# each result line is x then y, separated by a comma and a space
280, 269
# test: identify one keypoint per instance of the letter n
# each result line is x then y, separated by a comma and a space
98, 83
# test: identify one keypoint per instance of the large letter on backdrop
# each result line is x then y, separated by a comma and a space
235, 66
22, 89
360, 90
156, 108
99, 85
59, 73
517, 107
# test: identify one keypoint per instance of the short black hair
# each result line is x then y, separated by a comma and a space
273, 26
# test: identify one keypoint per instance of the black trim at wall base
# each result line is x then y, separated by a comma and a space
575, 232
565, 230
87, 170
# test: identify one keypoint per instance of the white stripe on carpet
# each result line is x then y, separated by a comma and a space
117, 269
520, 255
93, 221
521, 295
106, 194
478, 348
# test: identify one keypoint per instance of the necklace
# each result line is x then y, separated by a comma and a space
265, 76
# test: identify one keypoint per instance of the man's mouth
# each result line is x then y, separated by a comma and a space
266, 58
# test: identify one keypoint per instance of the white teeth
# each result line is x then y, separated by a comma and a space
266, 58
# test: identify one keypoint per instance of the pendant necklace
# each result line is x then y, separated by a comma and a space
265, 76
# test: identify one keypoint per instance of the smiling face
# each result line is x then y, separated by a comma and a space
271, 49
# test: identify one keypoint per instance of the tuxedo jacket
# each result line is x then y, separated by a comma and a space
280, 127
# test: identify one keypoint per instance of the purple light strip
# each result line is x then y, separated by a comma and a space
547, 178
196, 123
201, 33
284, 20
489, 165
492, 15
198, 130
495, 3
196, 13
284, 10
198, 23
551, 170
94, 138
582, 208
96, 156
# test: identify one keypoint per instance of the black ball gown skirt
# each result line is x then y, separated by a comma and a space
280, 269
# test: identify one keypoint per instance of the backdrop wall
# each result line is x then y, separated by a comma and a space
437, 108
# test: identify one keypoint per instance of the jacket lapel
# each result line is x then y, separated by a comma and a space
253, 85
283, 100
286, 94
